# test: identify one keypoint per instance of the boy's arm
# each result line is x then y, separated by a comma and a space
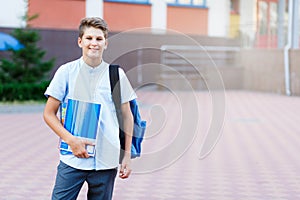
125, 169
50, 117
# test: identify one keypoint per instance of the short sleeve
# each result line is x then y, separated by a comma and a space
127, 92
58, 86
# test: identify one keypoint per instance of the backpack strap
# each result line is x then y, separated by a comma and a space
139, 125
114, 84
116, 96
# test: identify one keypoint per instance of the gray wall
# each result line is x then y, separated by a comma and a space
257, 69
123, 48
264, 70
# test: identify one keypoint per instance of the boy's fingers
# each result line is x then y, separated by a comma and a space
124, 172
81, 151
87, 142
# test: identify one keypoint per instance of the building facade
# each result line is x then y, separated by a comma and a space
263, 23
196, 17
257, 23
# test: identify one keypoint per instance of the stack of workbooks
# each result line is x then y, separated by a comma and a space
82, 120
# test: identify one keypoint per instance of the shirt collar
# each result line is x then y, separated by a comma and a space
92, 69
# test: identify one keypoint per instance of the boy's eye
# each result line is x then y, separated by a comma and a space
98, 38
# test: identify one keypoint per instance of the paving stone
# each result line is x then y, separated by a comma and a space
256, 157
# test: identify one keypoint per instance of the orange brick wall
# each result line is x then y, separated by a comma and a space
66, 14
58, 14
188, 20
125, 16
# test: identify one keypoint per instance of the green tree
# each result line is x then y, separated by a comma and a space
25, 66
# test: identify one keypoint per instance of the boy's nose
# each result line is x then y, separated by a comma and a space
94, 41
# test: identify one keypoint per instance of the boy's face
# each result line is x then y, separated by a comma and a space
92, 43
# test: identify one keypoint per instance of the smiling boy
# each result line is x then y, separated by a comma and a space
87, 79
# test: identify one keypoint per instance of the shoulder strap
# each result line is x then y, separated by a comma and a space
114, 80
116, 90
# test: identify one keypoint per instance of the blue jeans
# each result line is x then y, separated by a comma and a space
70, 180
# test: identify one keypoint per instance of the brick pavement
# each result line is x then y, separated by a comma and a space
256, 157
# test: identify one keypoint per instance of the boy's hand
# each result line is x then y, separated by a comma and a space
78, 147
125, 169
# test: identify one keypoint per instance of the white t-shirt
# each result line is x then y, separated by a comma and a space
76, 80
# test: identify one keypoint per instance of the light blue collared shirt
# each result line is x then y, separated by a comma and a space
77, 80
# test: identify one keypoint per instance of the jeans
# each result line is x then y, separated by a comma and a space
70, 180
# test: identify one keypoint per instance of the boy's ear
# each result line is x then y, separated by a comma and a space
79, 42
106, 43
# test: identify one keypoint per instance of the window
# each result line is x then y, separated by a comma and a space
262, 17
234, 6
184, 1
273, 18
130, 1
195, 3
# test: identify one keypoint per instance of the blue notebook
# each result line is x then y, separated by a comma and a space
81, 119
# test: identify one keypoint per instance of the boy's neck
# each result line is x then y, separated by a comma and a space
92, 62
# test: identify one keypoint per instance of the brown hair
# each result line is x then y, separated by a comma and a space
95, 22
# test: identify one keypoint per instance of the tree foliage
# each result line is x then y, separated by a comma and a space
25, 65
23, 75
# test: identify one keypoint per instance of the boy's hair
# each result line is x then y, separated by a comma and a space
95, 22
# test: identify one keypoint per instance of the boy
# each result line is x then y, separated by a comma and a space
87, 79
